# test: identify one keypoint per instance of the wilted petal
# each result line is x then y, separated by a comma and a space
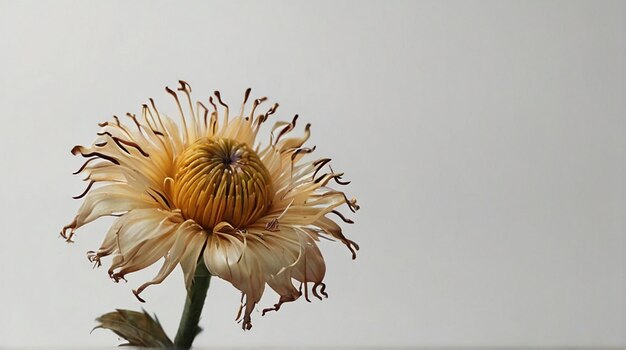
278, 252
137, 240
189, 241
226, 256
190, 258
132, 229
107, 200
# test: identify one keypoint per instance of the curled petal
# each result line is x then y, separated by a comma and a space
136, 227
137, 240
226, 256
189, 239
106, 200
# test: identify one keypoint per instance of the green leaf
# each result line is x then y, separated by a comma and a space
138, 328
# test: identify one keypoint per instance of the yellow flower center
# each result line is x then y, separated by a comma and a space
221, 180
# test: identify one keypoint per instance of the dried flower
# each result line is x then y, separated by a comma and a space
204, 191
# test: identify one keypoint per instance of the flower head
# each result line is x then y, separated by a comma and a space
203, 191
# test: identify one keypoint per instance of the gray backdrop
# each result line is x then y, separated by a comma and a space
485, 142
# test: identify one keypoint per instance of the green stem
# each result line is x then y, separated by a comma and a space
188, 328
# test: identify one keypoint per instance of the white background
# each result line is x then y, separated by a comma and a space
485, 141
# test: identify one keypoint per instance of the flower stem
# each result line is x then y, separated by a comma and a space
188, 327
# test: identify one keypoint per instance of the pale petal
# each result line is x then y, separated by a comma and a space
107, 200
138, 239
189, 241
278, 253
329, 226
189, 261
239, 129
294, 142
150, 174
137, 226
143, 256
311, 267
226, 256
